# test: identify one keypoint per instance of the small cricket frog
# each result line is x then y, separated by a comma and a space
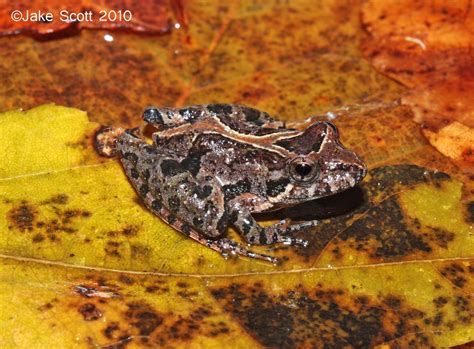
212, 166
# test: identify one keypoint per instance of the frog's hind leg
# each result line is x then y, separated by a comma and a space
258, 118
140, 161
227, 247
164, 118
224, 246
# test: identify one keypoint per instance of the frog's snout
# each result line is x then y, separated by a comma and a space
360, 169
350, 164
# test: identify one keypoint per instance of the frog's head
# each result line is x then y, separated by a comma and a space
319, 164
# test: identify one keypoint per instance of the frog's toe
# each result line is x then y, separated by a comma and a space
288, 240
262, 256
293, 228
225, 254
228, 247
303, 242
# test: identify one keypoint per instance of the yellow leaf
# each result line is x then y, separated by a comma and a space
31, 142
81, 257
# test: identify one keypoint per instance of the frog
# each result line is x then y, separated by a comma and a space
212, 166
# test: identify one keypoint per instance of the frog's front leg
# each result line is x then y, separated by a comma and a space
255, 234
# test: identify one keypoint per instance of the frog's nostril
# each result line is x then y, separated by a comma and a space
355, 170
361, 171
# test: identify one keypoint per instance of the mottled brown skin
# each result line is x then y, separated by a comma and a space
212, 166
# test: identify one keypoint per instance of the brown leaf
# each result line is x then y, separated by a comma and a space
427, 46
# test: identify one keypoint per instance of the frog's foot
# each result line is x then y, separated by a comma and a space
289, 228
280, 232
105, 141
227, 247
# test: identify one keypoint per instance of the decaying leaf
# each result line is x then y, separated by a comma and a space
53, 19
291, 66
451, 141
84, 264
427, 46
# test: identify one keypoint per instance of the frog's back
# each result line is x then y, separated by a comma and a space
236, 127
218, 150
238, 167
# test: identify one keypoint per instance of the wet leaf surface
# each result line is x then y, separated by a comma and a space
427, 46
83, 263
316, 69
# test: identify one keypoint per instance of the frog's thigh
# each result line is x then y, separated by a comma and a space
258, 118
224, 246
199, 204
174, 117
255, 234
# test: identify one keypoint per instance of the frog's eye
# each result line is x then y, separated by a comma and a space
302, 170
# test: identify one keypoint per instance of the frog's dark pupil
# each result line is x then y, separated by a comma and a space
303, 169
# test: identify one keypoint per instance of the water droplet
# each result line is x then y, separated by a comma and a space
108, 38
